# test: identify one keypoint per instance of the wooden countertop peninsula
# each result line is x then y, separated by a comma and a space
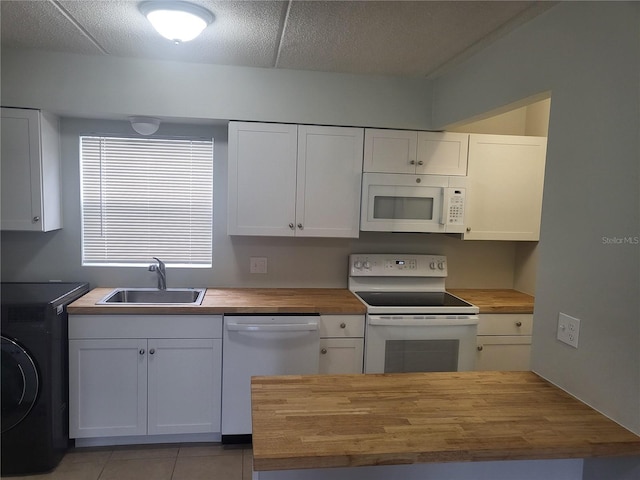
496, 300
320, 421
325, 301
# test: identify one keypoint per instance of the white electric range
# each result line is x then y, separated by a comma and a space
413, 324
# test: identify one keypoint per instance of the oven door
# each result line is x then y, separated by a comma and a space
420, 343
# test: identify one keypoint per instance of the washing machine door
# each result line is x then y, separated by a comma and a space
19, 383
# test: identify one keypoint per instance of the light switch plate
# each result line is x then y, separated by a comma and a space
258, 265
568, 329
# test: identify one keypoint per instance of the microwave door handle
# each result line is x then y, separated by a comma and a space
445, 207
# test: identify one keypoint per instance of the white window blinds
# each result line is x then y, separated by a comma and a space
146, 197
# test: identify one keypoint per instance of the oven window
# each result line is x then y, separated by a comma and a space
403, 356
402, 208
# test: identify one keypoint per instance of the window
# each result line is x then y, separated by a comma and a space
146, 197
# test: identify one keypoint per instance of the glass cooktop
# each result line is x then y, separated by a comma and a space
411, 299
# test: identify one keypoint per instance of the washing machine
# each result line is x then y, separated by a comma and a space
35, 378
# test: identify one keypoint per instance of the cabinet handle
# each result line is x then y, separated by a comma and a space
152, 351
412, 162
291, 226
343, 325
36, 219
468, 229
141, 352
518, 324
300, 226
420, 162
323, 351
480, 348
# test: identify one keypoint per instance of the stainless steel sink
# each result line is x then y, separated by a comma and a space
153, 296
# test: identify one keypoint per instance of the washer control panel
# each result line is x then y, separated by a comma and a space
397, 265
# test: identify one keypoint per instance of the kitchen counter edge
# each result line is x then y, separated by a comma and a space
496, 300
218, 301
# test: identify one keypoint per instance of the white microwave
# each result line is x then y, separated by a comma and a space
412, 203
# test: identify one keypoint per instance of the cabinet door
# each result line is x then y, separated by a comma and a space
390, 151
30, 171
107, 387
262, 179
184, 385
506, 353
341, 355
442, 153
329, 181
504, 187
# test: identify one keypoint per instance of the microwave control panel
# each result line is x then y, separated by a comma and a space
455, 207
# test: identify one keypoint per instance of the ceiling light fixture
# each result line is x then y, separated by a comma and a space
145, 125
177, 21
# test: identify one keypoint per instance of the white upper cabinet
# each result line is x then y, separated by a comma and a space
262, 179
329, 176
422, 153
30, 171
290, 180
504, 187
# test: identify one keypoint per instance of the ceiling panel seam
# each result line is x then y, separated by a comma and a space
282, 33
76, 24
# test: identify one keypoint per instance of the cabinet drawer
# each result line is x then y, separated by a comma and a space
505, 324
341, 326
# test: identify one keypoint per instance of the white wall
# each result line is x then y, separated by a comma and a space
587, 54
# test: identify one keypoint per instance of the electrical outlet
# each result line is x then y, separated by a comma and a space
258, 265
568, 329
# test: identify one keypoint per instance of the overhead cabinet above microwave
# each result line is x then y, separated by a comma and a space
422, 153
294, 180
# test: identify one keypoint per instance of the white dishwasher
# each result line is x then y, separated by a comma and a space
262, 345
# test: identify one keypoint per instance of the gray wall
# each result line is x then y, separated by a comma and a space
292, 262
110, 87
587, 54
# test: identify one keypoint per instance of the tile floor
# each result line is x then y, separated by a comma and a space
153, 462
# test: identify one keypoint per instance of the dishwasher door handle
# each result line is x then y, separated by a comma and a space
275, 327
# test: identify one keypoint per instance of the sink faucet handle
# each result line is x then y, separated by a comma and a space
162, 273
160, 262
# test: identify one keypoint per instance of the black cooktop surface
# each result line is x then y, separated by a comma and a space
411, 299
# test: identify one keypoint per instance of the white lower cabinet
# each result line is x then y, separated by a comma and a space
341, 344
504, 342
107, 387
144, 375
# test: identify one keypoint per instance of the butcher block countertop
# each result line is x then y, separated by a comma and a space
318, 421
496, 300
325, 301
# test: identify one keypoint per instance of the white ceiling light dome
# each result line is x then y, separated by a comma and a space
175, 20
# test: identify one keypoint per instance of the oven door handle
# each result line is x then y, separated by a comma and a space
422, 320
273, 327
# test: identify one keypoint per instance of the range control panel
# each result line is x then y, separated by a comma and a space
397, 265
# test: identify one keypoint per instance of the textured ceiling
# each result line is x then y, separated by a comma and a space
369, 37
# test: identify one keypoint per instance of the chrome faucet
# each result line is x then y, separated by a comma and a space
162, 273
